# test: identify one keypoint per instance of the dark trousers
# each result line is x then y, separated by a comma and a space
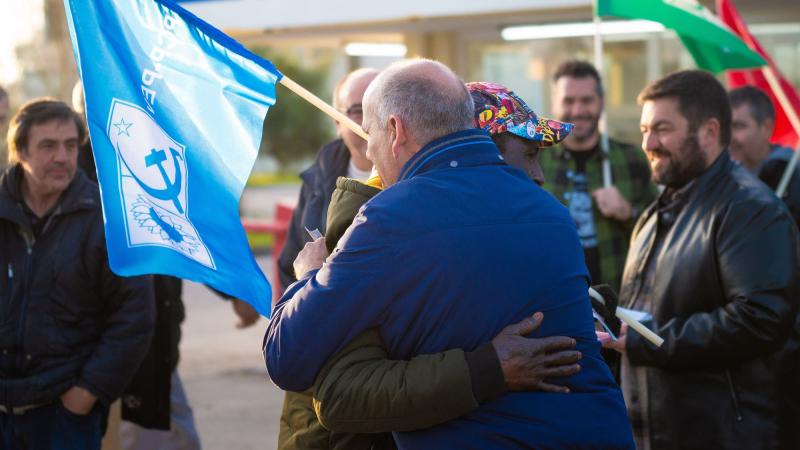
51, 427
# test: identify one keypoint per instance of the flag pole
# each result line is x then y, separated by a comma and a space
791, 114
603, 123
323, 106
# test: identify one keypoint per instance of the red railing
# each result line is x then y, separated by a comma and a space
278, 229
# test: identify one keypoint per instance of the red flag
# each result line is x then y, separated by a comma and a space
784, 133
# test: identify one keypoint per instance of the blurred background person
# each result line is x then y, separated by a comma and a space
345, 156
753, 122
574, 172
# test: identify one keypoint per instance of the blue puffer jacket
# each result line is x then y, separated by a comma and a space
461, 246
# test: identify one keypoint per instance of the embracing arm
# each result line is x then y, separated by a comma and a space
328, 308
360, 390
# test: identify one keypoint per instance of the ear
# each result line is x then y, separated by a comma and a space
398, 134
709, 133
338, 126
767, 126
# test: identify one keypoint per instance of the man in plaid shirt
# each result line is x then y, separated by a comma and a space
574, 174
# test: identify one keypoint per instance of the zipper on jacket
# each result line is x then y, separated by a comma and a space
734, 397
25, 284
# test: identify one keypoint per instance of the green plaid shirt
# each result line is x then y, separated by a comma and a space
631, 174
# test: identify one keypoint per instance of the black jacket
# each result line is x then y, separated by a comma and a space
146, 400
311, 211
65, 318
725, 300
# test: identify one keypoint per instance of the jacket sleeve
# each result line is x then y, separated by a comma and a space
129, 326
328, 308
757, 266
294, 240
360, 390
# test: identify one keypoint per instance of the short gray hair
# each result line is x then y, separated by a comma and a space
430, 106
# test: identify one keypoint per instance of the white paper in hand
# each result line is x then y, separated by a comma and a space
641, 316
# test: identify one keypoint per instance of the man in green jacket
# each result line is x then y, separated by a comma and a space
361, 395
574, 171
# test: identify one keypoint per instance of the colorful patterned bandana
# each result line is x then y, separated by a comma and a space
499, 110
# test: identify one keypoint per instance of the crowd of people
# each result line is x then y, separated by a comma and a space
405, 304
447, 304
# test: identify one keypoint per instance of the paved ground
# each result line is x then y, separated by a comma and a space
236, 406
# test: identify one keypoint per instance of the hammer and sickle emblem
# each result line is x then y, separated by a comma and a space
172, 189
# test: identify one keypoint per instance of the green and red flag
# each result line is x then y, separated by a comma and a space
711, 43
784, 133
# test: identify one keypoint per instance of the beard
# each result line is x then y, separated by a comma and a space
685, 164
579, 135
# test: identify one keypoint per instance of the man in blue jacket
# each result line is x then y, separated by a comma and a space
458, 246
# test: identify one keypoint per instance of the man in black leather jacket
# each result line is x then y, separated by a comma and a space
715, 261
72, 333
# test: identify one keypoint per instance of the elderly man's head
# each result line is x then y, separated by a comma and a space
410, 104
347, 98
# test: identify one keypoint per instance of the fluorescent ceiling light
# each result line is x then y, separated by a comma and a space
373, 49
579, 29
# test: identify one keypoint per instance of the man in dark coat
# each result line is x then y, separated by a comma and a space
72, 333
343, 157
715, 262
752, 126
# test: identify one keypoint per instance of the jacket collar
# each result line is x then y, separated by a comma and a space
331, 163
466, 148
79, 195
723, 164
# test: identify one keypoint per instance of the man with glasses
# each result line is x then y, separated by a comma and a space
344, 156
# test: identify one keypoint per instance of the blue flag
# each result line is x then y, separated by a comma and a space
175, 111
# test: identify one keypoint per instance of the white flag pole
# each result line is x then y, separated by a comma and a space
603, 123
791, 114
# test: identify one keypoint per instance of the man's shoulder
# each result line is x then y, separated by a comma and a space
85, 194
745, 190
332, 149
331, 162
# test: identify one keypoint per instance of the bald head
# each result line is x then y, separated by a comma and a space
426, 95
347, 97
353, 85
